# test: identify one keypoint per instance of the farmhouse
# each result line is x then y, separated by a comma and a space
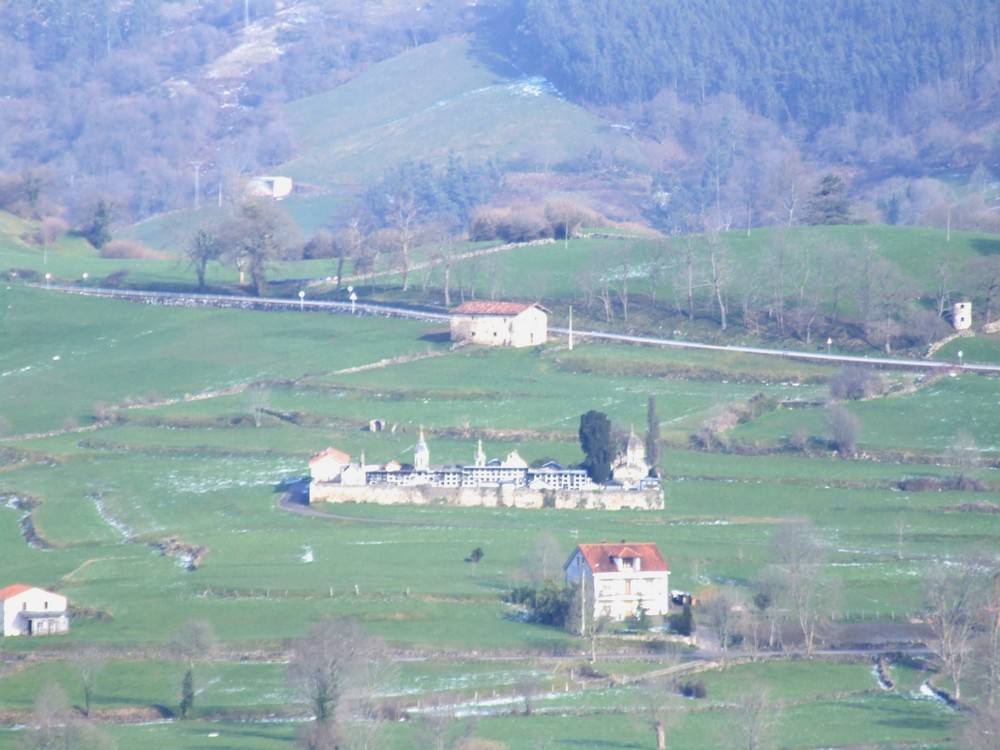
28, 610
499, 323
622, 577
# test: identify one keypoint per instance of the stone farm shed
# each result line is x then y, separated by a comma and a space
499, 323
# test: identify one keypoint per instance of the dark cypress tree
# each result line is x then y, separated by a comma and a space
595, 439
652, 437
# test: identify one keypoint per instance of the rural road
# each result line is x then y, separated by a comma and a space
416, 313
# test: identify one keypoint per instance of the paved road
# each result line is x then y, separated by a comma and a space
418, 313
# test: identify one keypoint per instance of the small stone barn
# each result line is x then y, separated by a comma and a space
499, 323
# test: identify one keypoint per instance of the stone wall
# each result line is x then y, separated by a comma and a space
505, 496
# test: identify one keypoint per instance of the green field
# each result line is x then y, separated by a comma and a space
125, 425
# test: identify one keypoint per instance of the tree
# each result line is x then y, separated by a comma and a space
797, 554
202, 247
845, 428
721, 613
753, 720
194, 639
474, 557
187, 694
55, 726
954, 595
253, 236
89, 663
595, 439
652, 436
327, 661
98, 232
828, 203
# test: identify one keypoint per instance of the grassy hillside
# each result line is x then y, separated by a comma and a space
125, 425
422, 105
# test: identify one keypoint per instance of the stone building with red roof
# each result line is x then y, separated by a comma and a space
492, 323
618, 577
28, 610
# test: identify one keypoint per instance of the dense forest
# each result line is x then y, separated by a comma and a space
805, 63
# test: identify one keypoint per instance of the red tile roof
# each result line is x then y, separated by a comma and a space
488, 307
333, 453
598, 556
13, 590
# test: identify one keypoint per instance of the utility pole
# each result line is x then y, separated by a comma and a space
571, 327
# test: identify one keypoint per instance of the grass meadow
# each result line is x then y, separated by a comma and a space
126, 425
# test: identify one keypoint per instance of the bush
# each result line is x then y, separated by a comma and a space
129, 249
683, 623
853, 383
692, 689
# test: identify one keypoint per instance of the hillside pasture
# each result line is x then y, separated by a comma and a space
180, 457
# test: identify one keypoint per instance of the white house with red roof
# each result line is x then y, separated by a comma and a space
328, 465
493, 323
621, 576
28, 610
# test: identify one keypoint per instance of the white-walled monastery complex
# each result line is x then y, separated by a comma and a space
335, 477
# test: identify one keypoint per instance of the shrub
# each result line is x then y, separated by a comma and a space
683, 623
692, 689
853, 383
845, 429
129, 249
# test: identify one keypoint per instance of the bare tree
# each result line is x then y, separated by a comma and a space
845, 428
719, 274
981, 729
331, 658
954, 595
89, 662
797, 554
720, 611
545, 558
987, 644
193, 640
55, 726
753, 722
201, 248
259, 397
963, 453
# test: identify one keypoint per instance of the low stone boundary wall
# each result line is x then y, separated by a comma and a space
505, 496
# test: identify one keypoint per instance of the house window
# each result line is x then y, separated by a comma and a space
46, 606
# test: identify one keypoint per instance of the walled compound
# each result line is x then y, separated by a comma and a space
336, 478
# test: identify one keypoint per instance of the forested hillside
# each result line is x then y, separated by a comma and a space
698, 115
808, 63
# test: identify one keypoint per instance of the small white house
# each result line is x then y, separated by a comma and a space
28, 610
621, 576
271, 187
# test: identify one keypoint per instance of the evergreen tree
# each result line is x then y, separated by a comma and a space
98, 233
652, 437
595, 439
828, 204
187, 694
